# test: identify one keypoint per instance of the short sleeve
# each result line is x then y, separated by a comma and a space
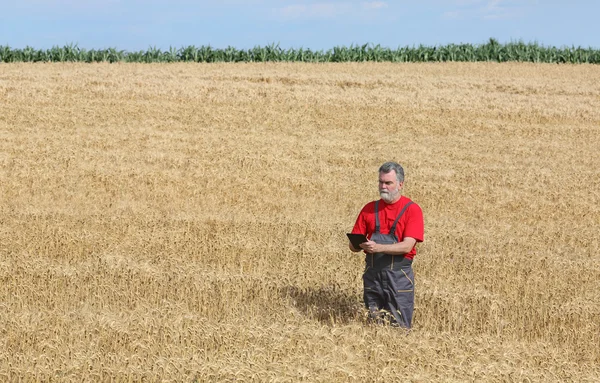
414, 226
361, 224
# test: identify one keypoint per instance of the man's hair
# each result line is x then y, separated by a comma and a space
389, 166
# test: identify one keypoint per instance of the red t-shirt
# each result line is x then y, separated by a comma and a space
410, 224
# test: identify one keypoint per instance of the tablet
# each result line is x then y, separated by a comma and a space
357, 239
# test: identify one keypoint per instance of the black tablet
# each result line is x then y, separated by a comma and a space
357, 239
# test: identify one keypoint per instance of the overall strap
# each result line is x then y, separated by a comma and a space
393, 229
377, 216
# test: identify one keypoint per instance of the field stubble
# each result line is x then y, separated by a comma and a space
186, 222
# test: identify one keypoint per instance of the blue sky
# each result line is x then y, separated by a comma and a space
320, 24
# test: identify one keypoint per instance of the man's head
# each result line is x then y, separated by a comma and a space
391, 180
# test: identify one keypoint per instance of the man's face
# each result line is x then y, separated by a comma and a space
389, 187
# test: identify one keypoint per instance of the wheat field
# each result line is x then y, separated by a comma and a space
186, 222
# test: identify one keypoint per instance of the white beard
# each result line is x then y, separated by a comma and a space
388, 197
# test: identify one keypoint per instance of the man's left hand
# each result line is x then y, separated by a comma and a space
369, 246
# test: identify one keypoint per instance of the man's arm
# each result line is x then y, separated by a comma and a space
399, 248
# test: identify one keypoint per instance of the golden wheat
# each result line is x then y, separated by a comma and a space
186, 222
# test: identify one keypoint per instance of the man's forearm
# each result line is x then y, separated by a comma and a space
399, 248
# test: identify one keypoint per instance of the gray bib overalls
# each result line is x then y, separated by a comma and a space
388, 279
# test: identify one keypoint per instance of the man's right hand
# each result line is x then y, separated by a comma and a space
354, 250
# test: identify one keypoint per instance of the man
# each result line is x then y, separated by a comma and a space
393, 225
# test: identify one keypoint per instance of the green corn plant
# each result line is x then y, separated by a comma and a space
56, 54
134, 57
229, 55
28, 54
170, 56
114, 55
205, 54
69, 52
189, 53
152, 55
339, 54
492, 50
5, 53
373, 53
273, 52
81, 55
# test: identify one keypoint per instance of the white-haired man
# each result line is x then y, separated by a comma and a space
393, 225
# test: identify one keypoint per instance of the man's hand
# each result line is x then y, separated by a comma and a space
369, 246
399, 248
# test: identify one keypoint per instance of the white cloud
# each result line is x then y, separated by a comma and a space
487, 9
292, 11
502, 9
82, 4
374, 4
464, 3
493, 7
312, 11
452, 15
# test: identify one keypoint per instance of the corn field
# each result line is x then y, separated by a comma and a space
186, 222
490, 51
